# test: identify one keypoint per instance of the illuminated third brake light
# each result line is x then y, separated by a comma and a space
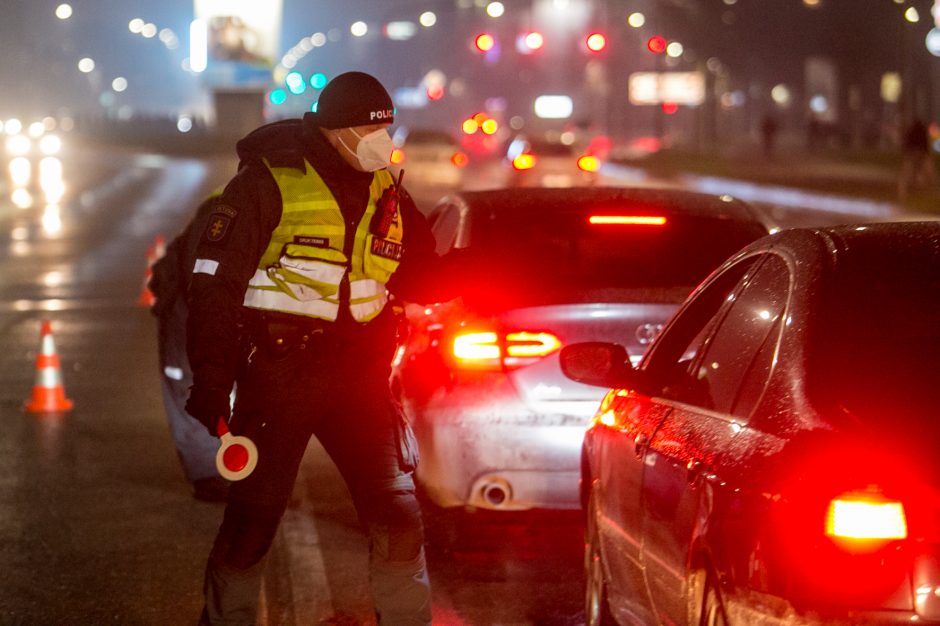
849, 518
641, 220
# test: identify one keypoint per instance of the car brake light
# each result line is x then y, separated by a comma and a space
398, 156
524, 161
589, 163
489, 350
524, 344
476, 347
636, 220
459, 159
860, 516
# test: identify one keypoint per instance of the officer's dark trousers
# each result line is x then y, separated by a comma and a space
333, 393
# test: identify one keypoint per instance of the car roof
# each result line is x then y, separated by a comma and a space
666, 200
844, 242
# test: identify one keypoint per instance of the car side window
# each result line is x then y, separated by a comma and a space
444, 227
670, 358
729, 358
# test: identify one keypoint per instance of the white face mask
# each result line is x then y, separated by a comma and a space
374, 150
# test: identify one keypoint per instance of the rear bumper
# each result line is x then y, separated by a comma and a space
497, 463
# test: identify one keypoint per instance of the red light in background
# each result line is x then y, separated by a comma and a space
656, 44
484, 42
669, 108
460, 159
596, 42
435, 92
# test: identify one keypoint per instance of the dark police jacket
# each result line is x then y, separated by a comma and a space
244, 218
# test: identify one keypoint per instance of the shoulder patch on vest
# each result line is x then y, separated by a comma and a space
219, 221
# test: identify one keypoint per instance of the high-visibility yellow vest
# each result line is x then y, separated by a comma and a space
303, 265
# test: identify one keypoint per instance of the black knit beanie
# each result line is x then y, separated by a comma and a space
354, 99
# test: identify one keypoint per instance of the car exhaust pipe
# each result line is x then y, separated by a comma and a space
495, 493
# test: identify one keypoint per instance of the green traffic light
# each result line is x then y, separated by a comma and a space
318, 80
295, 83
277, 96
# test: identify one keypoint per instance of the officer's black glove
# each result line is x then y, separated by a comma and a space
208, 404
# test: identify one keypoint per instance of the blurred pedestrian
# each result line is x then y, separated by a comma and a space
196, 448
917, 166
304, 247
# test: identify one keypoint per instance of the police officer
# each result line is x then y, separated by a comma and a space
303, 249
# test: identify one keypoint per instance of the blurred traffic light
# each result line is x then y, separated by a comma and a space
656, 44
484, 42
596, 42
435, 92
530, 42
318, 80
295, 83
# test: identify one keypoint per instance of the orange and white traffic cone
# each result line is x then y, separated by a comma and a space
154, 253
48, 392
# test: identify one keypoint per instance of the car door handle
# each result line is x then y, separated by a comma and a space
640, 445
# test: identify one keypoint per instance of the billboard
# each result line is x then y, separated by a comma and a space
687, 88
234, 43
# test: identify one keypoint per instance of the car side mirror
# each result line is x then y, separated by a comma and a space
598, 363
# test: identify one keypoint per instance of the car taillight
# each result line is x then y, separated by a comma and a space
589, 163
459, 159
862, 516
524, 161
635, 220
490, 350
398, 156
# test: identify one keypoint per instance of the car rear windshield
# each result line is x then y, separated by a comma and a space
877, 349
536, 253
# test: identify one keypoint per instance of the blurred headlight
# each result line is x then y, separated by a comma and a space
20, 171
18, 145
50, 144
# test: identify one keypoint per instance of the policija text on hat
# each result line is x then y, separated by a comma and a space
289, 300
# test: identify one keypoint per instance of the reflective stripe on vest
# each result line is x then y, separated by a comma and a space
303, 266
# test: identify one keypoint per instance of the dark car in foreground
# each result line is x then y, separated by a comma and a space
498, 424
773, 457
